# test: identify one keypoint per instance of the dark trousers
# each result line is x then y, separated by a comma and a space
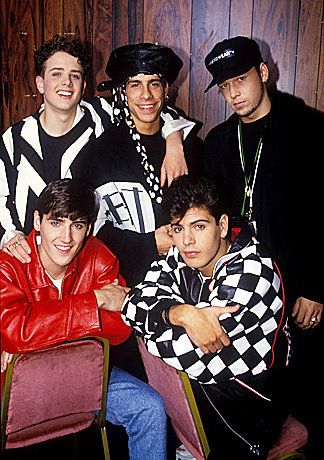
306, 393
241, 425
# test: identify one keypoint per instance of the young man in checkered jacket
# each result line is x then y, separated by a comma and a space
215, 309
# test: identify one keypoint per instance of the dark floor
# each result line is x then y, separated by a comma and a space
85, 445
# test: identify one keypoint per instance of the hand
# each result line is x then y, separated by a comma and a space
112, 296
307, 313
6, 358
18, 247
163, 240
202, 325
174, 163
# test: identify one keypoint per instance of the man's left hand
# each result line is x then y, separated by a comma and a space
307, 313
174, 163
6, 358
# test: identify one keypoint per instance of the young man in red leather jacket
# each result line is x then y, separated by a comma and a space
72, 288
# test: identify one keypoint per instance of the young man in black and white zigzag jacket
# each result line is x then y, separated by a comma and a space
215, 309
44, 146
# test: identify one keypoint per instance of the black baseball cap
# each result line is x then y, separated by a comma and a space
232, 57
129, 60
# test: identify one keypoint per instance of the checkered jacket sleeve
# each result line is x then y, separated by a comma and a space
247, 279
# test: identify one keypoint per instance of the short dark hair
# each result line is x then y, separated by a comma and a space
69, 198
186, 192
61, 43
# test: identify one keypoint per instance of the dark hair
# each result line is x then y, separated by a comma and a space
68, 198
186, 192
61, 43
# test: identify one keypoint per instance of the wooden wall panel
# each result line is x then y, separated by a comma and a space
169, 23
21, 29
320, 85
101, 39
290, 34
308, 51
52, 19
128, 19
275, 27
209, 25
74, 19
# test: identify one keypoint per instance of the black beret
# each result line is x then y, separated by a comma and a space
129, 60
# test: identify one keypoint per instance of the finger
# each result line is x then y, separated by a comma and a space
10, 356
171, 177
162, 176
224, 340
24, 245
115, 282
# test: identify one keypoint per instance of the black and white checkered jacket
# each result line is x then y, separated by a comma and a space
258, 331
22, 170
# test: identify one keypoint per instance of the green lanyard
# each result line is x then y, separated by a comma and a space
248, 179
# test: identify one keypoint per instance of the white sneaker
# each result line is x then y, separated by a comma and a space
182, 453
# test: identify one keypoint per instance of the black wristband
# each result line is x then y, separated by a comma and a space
166, 316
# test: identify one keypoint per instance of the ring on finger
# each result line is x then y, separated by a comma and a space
14, 244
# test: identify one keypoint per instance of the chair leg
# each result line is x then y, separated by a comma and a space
105, 442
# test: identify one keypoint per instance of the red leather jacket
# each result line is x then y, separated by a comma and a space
34, 317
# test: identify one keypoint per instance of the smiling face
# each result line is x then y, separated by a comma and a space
145, 96
246, 94
61, 240
62, 84
200, 240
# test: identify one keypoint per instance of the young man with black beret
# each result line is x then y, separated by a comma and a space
123, 164
267, 153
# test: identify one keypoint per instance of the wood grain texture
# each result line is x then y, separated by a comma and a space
320, 85
74, 24
275, 28
169, 23
209, 25
128, 19
290, 34
21, 30
52, 18
308, 51
101, 40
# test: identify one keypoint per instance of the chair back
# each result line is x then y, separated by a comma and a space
175, 388
54, 392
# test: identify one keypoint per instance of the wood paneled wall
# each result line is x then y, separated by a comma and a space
290, 34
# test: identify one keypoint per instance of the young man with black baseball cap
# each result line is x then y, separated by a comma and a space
266, 152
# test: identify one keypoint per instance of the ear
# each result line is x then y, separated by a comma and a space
264, 72
84, 86
166, 89
89, 230
223, 223
40, 84
37, 221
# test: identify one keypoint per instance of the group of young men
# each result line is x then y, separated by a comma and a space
204, 300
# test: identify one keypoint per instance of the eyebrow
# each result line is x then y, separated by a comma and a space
140, 81
191, 223
62, 68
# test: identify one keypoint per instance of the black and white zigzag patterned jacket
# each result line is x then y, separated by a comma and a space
258, 331
22, 169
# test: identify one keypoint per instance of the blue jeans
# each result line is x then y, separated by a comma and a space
134, 405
